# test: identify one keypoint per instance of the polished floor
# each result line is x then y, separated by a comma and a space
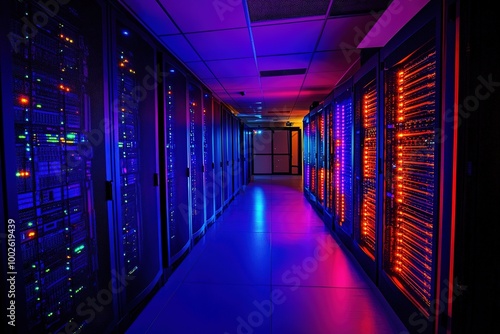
268, 265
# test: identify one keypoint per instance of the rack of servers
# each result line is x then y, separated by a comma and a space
377, 165
112, 163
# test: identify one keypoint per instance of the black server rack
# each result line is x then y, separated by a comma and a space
135, 177
307, 154
227, 145
47, 151
313, 155
419, 160
177, 229
218, 158
236, 156
208, 156
343, 133
367, 156
246, 138
329, 162
196, 163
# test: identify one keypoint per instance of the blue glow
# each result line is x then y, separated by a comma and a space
125, 32
172, 71
260, 208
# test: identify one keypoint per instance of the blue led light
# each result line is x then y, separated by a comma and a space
125, 32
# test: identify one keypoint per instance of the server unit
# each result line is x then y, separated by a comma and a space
218, 159
174, 136
306, 125
208, 157
329, 162
367, 156
196, 161
47, 146
343, 135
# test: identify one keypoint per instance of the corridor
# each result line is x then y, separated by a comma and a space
268, 265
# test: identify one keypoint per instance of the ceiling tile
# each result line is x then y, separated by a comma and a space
237, 84
329, 61
345, 33
196, 15
224, 44
244, 67
178, 45
269, 63
278, 83
214, 85
152, 16
326, 80
289, 38
200, 69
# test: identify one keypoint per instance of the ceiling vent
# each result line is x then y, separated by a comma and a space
281, 73
265, 10
350, 7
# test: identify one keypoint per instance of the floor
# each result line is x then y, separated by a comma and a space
268, 265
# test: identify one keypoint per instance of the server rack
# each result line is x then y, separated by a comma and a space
343, 133
177, 228
218, 158
307, 155
329, 162
47, 73
313, 155
196, 165
135, 166
367, 157
227, 145
418, 164
237, 175
209, 161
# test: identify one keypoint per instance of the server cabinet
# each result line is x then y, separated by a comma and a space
313, 156
343, 132
218, 159
236, 156
51, 75
307, 155
208, 156
246, 135
227, 146
329, 162
415, 155
321, 160
196, 167
174, 139
133, 150
367, 157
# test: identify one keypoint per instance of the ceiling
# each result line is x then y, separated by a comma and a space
269, 60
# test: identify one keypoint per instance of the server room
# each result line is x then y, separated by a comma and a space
249, 166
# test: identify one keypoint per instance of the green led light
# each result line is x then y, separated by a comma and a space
79, 249
47, 270
71, 136
22, 137
50, 314
18, 174
39, 105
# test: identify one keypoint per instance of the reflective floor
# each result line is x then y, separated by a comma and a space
268, 265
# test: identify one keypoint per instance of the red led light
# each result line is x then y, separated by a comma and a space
24, 101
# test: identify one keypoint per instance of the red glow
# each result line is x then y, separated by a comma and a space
31, 234
24, 101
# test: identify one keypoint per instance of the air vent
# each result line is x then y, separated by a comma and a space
349, 7
265, 10
275, 112
280, 73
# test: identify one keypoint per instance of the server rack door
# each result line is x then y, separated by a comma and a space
135, 155
365, 162
313, 155
306, 155
411, 168
227, 144
218, 158
329, 165
209, 164
236, 155
50, 177
178, 230
197, 211
321, 158
343, 177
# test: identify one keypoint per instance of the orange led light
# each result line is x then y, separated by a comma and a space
31, 234
24, 100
